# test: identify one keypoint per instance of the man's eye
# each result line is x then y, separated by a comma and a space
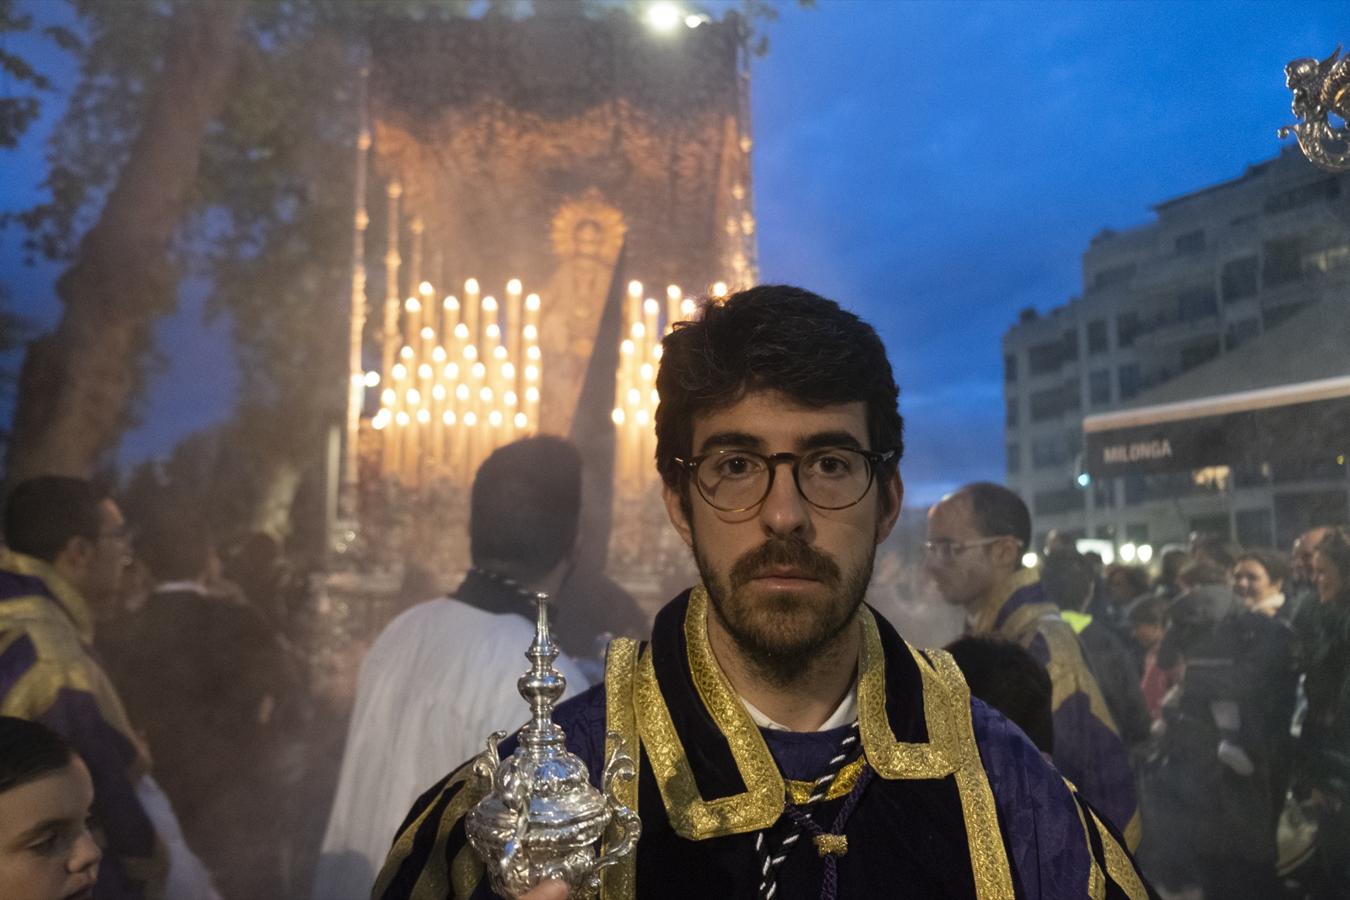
736, 465
831, 465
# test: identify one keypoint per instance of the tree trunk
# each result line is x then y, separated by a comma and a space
77, 382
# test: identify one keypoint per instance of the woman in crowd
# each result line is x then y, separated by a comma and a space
46, 850
1258, 579
1322, 773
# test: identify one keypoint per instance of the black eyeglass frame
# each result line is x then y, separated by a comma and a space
875, 459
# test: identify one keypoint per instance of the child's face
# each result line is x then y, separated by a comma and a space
46, 850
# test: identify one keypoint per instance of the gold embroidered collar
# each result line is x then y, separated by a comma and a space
761, 804
983, 621
65, 593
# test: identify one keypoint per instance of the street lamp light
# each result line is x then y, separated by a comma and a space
663, 16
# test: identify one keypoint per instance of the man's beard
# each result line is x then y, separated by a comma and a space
781, 634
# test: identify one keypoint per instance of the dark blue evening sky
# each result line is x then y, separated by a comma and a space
936, 167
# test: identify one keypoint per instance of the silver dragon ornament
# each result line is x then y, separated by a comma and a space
541, 818
1321, 90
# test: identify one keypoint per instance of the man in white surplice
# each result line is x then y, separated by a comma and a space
442, 676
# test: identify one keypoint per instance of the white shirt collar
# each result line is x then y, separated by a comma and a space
1270, 604
193, 586
844, 713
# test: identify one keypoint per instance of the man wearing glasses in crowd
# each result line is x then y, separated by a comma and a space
66, 549
789, 742
976, 538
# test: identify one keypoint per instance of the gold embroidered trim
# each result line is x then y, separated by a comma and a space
896, 759
403, 845
466, 870
1134, 832
619, 882
1118, 864
435, 882
800, 791
988, 856
692, 817
11, 561
1096, 886
993, 605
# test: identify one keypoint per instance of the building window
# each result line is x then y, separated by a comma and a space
1127, 326
1191, 242
1069, 353
1327, 188
1197, 303
1241, 332
1045, 358
1046, 404
1099, 387
1010, 367
1011, 416
1238, 279
1069, 499
1283, 261
1255, 528
1214, 524
1277, 314
1113, 275
1070, 395
1014, 458
1103, 494
1128, 377
1096, 337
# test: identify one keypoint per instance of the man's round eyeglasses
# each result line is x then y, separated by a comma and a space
828, 478
949, 550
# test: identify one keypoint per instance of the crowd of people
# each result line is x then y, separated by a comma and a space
1226, 676
1095, 729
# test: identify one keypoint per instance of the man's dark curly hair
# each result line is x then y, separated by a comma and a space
772, 337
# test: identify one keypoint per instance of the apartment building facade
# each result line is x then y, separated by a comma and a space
1217, 270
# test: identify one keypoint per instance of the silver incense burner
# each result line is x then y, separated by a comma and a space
541, 817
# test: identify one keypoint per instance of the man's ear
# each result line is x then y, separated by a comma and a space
892, 494
74, 557
1008, 553
675, 508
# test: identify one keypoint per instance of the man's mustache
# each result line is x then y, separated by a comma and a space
792, 552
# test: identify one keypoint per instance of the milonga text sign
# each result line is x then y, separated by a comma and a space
1296, 431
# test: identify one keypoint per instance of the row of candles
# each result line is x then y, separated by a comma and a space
464, 381
462, 377
635, 396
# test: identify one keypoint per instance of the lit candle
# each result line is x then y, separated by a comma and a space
471, 305
651, 322
514, 322
673, 297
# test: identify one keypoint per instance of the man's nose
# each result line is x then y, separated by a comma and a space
784, 510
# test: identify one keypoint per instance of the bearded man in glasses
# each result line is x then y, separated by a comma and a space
789, 742
976, 538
